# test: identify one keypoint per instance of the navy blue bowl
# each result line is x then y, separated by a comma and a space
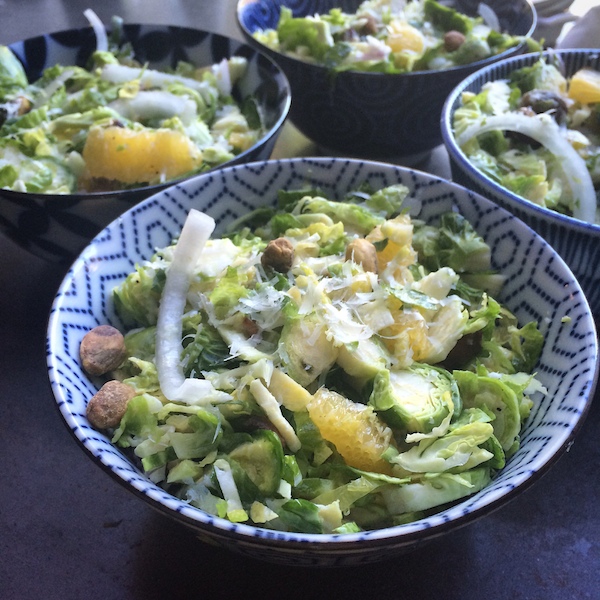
576, 241
371, 115
57, 227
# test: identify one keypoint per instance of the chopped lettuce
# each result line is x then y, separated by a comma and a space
528, 134
388, 37
77, 117
327, 398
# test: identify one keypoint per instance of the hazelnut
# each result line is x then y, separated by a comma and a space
107, 407
279, 255
102, 349
370, 24
364, 253
249, 327
453, 40
24, 105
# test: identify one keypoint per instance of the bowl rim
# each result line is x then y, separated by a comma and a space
241, 5
461, 158
404, 534
241, 45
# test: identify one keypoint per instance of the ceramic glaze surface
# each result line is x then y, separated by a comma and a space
538, 287
370, 115
57, 228
576, 241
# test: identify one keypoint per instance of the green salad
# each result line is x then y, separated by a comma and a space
329, 365
390, 37
118, 124
537, 133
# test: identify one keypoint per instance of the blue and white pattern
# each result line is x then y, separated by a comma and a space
57, 228
538, 286
371, 115
576, 241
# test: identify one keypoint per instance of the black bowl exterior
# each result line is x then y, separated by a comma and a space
371, 115
577, 242
57, 227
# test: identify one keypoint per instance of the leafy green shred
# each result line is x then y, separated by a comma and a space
345, 399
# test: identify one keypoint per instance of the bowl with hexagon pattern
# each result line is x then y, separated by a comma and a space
536, 287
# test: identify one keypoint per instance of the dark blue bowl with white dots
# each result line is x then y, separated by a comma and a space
576, 241
57, 227
377, 116
539, 286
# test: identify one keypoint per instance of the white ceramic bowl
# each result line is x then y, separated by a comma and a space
576, 241
539, 286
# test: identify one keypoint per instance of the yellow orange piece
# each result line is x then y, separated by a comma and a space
148, 155
407, 339
398, 233
404, 37
354, 429
584, 86
241, 141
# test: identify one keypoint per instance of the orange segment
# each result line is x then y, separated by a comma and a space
404, 37
354, 429
584, 86
149, 155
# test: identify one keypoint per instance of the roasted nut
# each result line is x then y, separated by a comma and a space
370, 24
24, 105
453, 40
102, 350
364, 253
279, 255
107, 407
249, 327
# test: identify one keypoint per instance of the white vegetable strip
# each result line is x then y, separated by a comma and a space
155, 104
269, 404
221, 71
489, 16
99, 29
149, 78
235, 509
545, 130
195, 233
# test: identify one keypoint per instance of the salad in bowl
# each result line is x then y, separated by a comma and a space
536, 132
390, 36
362, 357
118, 123
330, 365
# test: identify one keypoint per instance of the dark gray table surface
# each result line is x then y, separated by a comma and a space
69, 531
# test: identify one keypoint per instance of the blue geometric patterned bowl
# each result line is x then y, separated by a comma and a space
539, 286
57, 227
576, 241
376, 116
